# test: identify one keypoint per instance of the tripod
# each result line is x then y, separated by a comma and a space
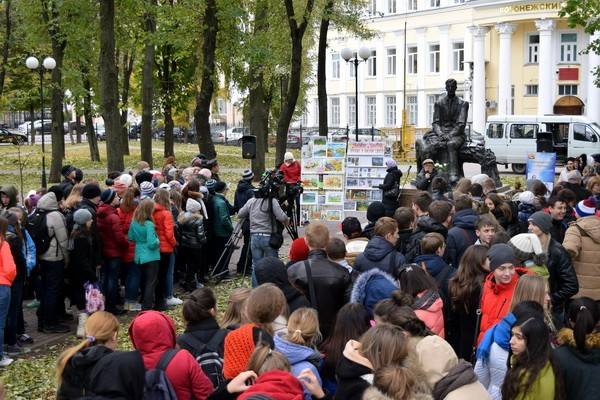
228, 252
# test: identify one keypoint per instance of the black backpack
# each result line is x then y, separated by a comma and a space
207, 354
157, 385
38, 230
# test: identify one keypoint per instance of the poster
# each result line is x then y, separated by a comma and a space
319, 151
311, 166
311, 182
334, 198
308, 198
365, 171
333, 215
366, 148
335, 182
542, 166
336, 150
333, 166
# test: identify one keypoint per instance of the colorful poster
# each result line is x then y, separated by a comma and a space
333, 182
366, 148
336, 150
309, 198
312, 166
333, 215
350, 205
542, 166
333, 166
319, 151
311, 182
334, 198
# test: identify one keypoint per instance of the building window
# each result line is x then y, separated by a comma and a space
413, 5
434, 58
434, 3
391, 6
533, 43
391, 61
335, 65
351, 111
568, 47
412, 59
371, 110
390, 110
335, 111
413, 111
458, 56
372, 7
372, 63
567, 90
531, 90
431, 99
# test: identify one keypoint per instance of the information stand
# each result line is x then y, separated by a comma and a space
365, 171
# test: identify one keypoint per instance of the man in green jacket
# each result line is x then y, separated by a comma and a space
222, 228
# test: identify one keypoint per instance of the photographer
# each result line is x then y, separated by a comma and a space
264, 213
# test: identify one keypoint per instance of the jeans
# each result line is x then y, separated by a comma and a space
110, 282
259, 246
15, 311
149, 278
169, 281
52, 274
161, 281
4, 306
132, 284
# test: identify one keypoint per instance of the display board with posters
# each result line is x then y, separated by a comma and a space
323, 177
365, 171
542, 166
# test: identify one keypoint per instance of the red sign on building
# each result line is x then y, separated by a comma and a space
568, 74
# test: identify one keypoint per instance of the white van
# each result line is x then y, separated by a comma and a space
512, 137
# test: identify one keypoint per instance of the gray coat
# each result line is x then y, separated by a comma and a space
57, 229
261, 221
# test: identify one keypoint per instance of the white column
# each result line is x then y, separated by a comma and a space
546, 67
478, 105
468, 46
505, 31
343, 111
380, 118
421, 71
592, 106
445, 51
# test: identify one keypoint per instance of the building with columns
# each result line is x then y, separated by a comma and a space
509, 57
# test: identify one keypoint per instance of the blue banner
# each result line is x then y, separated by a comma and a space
542, 166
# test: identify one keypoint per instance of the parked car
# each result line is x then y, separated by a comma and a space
100, 132
233, 135
12, 137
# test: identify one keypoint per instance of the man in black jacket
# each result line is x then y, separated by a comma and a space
329, 282
243, 193
426, 175
462, 234
380, 252
438, 220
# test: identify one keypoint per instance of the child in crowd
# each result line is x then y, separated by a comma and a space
336, 252
432, 251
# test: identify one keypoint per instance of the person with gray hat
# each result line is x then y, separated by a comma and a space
426, 175
562, 278
243, 193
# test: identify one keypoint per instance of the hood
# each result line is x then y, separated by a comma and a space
104, 210
392, 169
296, 353
271, 270
466, 219
11, 192
592, 342
591, 226
378, 248
427, 224
152, 332
48, 202
375, 282
186, 216
436, 358
435, 264
275, 385
89, 356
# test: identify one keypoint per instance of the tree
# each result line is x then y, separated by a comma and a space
127, 63
108, 87
148, 83
321, 63
7, 42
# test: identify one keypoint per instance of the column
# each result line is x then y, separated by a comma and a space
380, 116
445, 51
343, 111
505, 30
478, 33
592, 106
467, 71
421, 71
545, 67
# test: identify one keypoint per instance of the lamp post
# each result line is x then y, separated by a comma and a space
352, 57
49, 64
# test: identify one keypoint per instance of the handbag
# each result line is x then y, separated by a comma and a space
94, 299
393, 193
276, 238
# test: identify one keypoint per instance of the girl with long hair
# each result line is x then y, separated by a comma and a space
501, 211
165, 229
233, 317
464, 290
132, 270
8, 272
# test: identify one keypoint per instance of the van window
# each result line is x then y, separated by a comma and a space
584, 133
560, 131
523, 131
495, 131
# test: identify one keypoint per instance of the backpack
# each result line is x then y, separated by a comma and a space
38, 230
157, 385
207, 354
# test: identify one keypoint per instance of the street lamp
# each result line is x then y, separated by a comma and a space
352, 57
49, 64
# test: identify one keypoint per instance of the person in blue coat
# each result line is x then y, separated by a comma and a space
432, 249
371, 287
381, 252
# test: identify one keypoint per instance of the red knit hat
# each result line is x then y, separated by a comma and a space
276, 385
299, 250
238, 348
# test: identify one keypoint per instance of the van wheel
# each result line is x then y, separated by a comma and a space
518, 168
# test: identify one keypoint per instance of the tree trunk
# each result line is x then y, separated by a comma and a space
321, 63
289, 106
6, 46
32, 116
148, 88
56, 105
204, 96
167, 85
127, 70
87, 114
78, 121
108, 87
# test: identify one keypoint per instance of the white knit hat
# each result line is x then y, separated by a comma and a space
527, 246
288, 156
125, 179
479, 178
526, 197
192, 206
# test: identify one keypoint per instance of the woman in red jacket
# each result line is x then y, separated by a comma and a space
152, 333
114, 244
498, 287
8, 272
132, 270
163, 221
291, 169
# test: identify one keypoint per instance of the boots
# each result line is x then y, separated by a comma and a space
81, 319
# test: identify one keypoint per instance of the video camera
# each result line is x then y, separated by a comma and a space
271, 185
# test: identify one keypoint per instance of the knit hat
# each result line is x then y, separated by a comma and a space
192, 205
147, 189
81, 216
58, 192
205, 173
91, 191
239, 346
203, 190
220, 186
375, 211
210, 184
125, 179
586, 207
298, 250
143, 176
172, 172
247, 175
390, 163
66, 170
499, 254
542, 221
527, 246
427, 161
526, 197
288, 156
175, 185
78, 175
164, 186
107, 196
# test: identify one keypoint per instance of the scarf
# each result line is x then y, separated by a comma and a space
462, 374
426, 300
499, 334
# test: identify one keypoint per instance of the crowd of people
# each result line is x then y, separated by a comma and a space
466, 294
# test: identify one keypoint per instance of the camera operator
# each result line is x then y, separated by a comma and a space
243, 193
264, 213
291, 176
